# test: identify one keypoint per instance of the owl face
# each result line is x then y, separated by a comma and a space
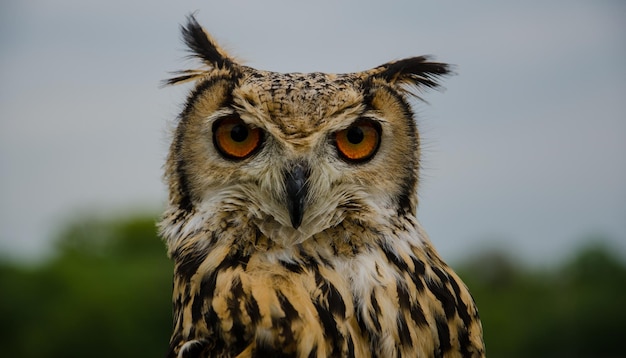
296, 154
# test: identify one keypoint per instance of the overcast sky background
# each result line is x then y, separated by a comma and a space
524, 150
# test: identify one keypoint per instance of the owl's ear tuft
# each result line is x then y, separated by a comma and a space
203, 47
415, 71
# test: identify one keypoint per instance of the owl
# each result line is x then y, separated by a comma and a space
291, 218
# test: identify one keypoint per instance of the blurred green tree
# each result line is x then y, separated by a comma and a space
575, 310
106, 294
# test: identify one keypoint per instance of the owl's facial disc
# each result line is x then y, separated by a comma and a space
296, 186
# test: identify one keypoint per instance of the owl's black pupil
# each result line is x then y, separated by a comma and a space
355, 135
239, 133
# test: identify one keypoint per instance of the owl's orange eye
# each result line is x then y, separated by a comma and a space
235, 139
359, 142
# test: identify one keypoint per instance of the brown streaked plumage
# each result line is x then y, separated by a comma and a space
292, 217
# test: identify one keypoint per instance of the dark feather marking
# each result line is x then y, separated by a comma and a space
370, 335
238, 329
443, 331
414, 309
375, 311
417, 315
308, 260
404, 197
403, 296
461, 306
177, 303
313, 262
409, 182
419, 284
417, 276
185, 203
443, 277
324, 261
398, 262
335, 302
290, 312
350, 353
368, 96
444, 296
437, 352
313, 352
192, 332
187, 295
207, 288
284, 323
403, 332
464, 341
252, 308
330, 326
207, 285
211, 319
283, 326
291, 266
188, 262
420, 268
360, 320
218, 345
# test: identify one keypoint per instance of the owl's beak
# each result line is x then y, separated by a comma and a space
296, 186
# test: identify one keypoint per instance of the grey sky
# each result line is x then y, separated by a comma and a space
525, 149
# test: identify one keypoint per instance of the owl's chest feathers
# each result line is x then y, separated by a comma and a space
335, 294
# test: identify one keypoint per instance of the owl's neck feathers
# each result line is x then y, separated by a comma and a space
206, 228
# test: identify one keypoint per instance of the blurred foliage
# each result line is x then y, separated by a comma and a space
573, 310
106, 293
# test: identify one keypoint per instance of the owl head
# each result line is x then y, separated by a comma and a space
293, 154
